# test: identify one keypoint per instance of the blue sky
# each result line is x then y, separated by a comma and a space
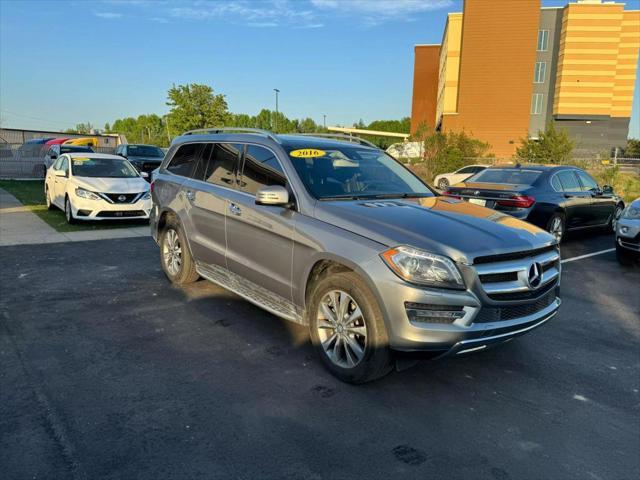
66, 62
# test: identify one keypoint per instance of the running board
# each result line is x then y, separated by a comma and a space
255, 294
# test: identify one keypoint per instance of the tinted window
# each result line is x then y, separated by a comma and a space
467, 170
587, 182
555, 182
222, 164
569, 181
145, 151
515, 176
184, 159
261, 169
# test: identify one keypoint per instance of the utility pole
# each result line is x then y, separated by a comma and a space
324, 121
275, 127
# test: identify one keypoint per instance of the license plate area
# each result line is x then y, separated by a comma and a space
478, 201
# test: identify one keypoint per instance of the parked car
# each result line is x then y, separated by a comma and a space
628, 234
87, 141
96, 186
145, 158
342, 238
556, 198
444, 180
58, 149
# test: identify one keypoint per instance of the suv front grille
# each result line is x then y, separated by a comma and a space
507, 277
511, 312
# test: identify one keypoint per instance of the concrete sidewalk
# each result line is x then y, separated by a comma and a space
20, 226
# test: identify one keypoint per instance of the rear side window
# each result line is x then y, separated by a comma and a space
222, 164
569, 181
587, 182
184, 159
555, 182
260, 169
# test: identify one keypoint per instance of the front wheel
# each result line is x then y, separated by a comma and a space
68, 212
47, 197
347, 329
175, 257
556, 226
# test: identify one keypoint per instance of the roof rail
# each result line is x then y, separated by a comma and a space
340, 136
255, 131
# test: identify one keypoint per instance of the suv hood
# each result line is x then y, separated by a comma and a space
112, 185
444, 225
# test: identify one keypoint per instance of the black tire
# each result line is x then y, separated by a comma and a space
68, 212
376, 361
555, 220
624, 256
47, 198
614, 218
443, 184
186, 272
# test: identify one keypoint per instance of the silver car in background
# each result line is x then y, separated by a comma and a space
334, 234
628, 234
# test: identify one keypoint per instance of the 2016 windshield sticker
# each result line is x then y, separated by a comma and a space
307, 153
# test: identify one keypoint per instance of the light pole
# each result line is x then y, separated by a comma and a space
324, 121
275, 127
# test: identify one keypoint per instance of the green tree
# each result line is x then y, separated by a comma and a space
196, 106
552, 146
633, 148
81, 128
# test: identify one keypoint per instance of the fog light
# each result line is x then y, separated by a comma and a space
427, 313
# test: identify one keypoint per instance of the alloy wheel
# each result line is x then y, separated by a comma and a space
342, 329
67, 210
172, 252
443, 184
556, 229
48, 198
616, 216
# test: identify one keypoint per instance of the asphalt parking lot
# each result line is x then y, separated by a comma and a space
106, 371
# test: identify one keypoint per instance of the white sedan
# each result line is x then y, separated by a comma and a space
447, 179
96, 186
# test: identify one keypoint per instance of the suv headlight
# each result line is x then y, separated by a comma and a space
632, 213
424, 268
82, 193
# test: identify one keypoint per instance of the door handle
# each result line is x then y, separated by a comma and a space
190, 195
234, 209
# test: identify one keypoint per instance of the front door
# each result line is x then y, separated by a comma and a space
577, 203
260, 237
60, 183
602, 204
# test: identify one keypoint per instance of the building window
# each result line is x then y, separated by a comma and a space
536, 104
539, 72
543, 40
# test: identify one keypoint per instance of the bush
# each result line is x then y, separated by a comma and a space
552, 146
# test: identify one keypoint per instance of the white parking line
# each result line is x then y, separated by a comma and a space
580, 257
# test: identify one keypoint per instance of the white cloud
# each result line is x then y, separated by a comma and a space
108, 15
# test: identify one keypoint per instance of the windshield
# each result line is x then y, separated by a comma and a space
506, 175
102, 167
144, 151
354, 172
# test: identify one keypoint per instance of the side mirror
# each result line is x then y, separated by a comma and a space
273, 195
60, 173
608, 189
144, 175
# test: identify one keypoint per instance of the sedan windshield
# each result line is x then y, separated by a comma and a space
102, 167
514, 176
144, 151
353, 173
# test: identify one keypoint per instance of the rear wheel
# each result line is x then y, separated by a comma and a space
68, 212
347, 329
175, 257
556, 226
443, 184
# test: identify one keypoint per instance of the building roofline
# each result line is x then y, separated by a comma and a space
428, 45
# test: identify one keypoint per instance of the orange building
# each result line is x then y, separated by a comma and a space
505, 69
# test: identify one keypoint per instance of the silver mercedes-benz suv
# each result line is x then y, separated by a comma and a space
333, 233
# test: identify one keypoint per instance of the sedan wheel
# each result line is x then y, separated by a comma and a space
172, 252
616, 216
342, 329
68, 213
443, 184
556, 227
48, 199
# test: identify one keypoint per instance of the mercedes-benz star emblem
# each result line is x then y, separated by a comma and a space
121, 198
534, 276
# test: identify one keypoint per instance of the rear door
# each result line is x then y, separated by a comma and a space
577, 203
602, 205
260, 237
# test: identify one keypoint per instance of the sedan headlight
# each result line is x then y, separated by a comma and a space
632, 213
82, 193
424, 268
147, 195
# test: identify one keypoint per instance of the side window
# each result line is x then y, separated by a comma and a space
261, 168
56, 165
467, 170
223, 163
184, 159
64, 165
569, 181
587, 182
555, 183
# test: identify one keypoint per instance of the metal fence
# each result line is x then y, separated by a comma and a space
26, 160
